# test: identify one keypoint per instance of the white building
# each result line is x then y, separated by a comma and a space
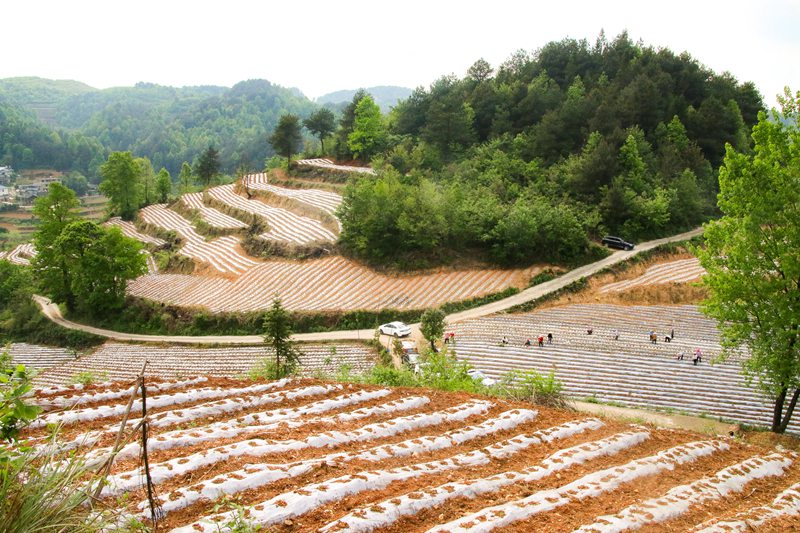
6, 193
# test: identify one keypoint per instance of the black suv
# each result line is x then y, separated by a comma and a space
617, 242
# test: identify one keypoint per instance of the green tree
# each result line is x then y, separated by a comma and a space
148, 180
55, 211
751, 259
432, 325
208, 166
163, 185
77, 182
121, 184
97, 264
369, 133
185, 178
321, 123
286, 137
278, 335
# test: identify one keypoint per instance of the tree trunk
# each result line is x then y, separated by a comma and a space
322, 142
433, 346
778, 410
789, 410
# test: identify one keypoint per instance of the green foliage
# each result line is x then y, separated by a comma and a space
88, 378
77, 182
15, 414
432, 326
277, 334
88, 267
208, 166
122, 184
163, 185
185, 179
751, 259
530, 385
369, 133
268, 369
286, 137
321, 123
46, 491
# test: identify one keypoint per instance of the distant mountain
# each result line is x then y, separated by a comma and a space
169, 125
40, 95
386, 96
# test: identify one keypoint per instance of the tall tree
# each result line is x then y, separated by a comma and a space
148, 180
751, 258
98, 262
163, 185
369, 133
278, 335
346, 123
55, 211
121, 184
321, 123
208, 165
286, 137
432, 325
185, 178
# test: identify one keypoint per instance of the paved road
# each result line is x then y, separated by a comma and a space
54, 313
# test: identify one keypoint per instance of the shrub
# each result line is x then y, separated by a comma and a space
530, 385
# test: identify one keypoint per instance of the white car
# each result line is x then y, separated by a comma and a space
480, 377
397, 329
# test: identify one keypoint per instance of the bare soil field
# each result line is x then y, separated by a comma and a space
306, 455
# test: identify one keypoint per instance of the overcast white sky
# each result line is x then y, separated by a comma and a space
323, 46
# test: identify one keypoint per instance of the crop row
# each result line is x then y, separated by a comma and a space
333, 283
327, 163
20, 255
223, 253
282, 225
324, 200
336, 457
680, 271
212, 216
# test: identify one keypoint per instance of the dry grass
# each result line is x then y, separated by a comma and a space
661, 294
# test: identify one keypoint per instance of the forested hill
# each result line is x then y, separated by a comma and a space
166, 124
386, 96
40, 95
532, 157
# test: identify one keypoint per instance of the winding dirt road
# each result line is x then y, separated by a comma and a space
52, 311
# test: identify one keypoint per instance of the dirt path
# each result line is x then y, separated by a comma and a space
52, 311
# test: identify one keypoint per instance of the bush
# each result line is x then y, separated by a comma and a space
266, 369
530, 385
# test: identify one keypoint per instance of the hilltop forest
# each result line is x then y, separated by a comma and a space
525, 161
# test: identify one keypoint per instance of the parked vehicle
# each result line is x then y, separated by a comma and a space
397, 329
409, 356
617, 242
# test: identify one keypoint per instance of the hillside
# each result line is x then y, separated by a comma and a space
40, 95
166, 124
386, 96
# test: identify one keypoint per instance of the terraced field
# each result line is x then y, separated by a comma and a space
123, 361
332, 283
327, 163
283, 225
20, 254
223, 253
324, 200
630, 370
310, 455
680, 271
39, 358
213, 217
